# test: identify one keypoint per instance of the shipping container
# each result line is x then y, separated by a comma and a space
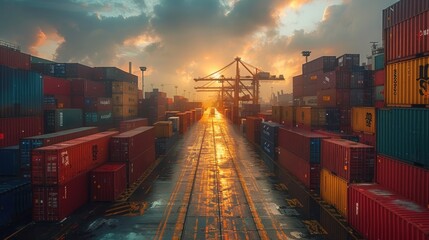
15, 200
403, 10
329, 79
128, 145
108, 182
379, 77
363, 119
298, 86
61, 162
21, 93
171, 114
62, 119
402, 133
269, 131
163, 129
408, 39
349, 160
378, 62
53, 203
276, 113
183, 125
92, 104
379, 94
348, 61
56, 86
307, 173
124, 87
113, 74
336, 134
164, 145
288, 116
253, 129
27, 144
345, 120
269, 147
124, 112
366, 138
310, 117
378, 213
63, 70
333, 190
87, 88
102, 120
9, 161
124, 99
406, 82
137, 166
403, 178
128, 125
303, 143
325, 64
199, 113
175, 121
14, 58
13, 129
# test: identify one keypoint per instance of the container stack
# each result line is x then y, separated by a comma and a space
60, 174
269, 141
165, 135
153, 106
15, 200
253, 129
108, 182
363, 124
136, 149
124, 100
299, 153
127, 125
402, 174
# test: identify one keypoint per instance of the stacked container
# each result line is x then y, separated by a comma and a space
269, 138
135, 148
127, 125
124, 100
363, 124
253, 129
56, 92
299, 153
60, 174
108, 182
153, 106
15, 200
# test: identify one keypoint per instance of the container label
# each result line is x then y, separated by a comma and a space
65, 158
395, 81
423, 80
424, 32
326, 98
368, 119
61, 119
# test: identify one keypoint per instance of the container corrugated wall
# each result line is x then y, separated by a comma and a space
405, 179
363, 119
9, 161
403, 10
62, 119
128, 125
333, 190
108, 181
13, 129
407, 82
403, 133
380, 214
310, 118
15, 200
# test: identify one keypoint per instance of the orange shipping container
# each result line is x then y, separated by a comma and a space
124, 99
288, 116
310, 117
163, 129
124, 87
363, 119
124, 111
333, 190
407, 82
277, 113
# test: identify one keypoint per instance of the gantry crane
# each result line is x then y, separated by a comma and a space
232, 90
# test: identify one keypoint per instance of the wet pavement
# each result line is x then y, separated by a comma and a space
212, 185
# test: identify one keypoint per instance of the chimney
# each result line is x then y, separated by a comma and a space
130, 68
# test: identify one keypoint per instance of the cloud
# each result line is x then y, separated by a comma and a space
181, 39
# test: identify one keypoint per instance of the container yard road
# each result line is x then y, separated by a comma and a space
211, 185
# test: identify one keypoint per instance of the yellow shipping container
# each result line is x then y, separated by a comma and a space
124, 99
363, 119
288, 116
333, 190
124, 111
124, 87
407, 82
310, 117
276, 113
163, 129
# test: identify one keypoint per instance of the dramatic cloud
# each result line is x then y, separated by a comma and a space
181, 39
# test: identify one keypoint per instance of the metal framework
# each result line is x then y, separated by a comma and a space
233, 90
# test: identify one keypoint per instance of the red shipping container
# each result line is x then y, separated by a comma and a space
108, 181
56, 86
128, 145
405, 179
183, 124
13, 129
87, 88
408, 39
379, 77
137, 166
253, 129
128, 125
366, 138
64, 161
303, 143
188, 118
63, 101
345, 120
56, 202
333, 98
378, 213
379, 104
403, 10
307, 173
349, 160
14, 58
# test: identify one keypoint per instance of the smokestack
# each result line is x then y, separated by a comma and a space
130, 68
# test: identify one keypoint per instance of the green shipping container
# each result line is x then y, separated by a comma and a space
379, 62
379, 93
62, 119
403, 133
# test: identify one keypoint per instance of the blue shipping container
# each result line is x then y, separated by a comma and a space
9, 161
15, 200
163, 145
21, 93
403, 133
269, 148
269, 131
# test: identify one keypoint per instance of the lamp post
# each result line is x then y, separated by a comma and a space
143, 69
306, 54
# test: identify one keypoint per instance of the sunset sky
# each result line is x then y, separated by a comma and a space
181, 39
